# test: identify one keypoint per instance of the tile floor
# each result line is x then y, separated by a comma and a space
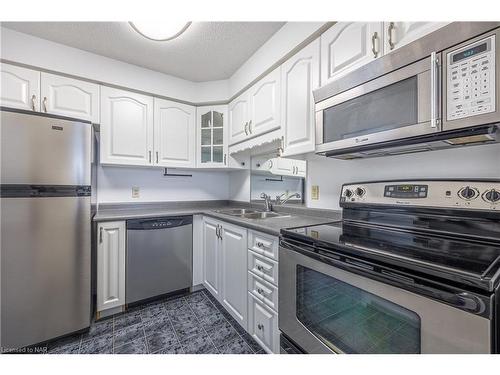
194, 323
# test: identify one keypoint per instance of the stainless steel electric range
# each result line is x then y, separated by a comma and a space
413, 267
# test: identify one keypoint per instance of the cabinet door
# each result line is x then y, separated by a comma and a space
397, 34
211, 137
126, 127
234, 271
174, 134
211, 257
299, 77
348, 45
70, 97
110, 265
20, 88
238, 119
263, 325
265, 104
300, 168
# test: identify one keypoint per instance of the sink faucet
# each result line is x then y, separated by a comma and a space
279, 201
267, 201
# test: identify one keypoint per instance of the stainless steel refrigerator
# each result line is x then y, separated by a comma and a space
45, 227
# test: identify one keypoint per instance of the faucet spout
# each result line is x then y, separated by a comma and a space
267, 202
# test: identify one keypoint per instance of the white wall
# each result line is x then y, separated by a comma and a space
239, 186
114, 185
330, 174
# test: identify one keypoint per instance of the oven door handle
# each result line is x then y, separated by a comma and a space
462, 300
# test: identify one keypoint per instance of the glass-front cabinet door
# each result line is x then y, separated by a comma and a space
212, 137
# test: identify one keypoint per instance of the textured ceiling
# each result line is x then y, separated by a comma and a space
207, 51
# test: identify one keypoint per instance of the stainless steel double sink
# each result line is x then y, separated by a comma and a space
251, 214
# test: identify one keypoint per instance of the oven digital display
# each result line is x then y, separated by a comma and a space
470, 52
406, 191
405, 187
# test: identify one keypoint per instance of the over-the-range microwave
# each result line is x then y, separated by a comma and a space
400, 104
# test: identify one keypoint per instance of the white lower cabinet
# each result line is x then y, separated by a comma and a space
211, 256
111, 253
263, 325
225, 266
234, 269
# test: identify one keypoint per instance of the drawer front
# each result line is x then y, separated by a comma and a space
263, 325
263, 291
263, 244
263, 267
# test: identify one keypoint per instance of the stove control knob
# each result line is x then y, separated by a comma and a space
467, 193
348, 193
492, 196
360, 192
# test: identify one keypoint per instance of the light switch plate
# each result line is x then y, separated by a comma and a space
315, 192
135, 191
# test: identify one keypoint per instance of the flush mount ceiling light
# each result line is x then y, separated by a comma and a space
160, 32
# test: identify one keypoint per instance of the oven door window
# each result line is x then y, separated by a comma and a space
351, 320
391, 107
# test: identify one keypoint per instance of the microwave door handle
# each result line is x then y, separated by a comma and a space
435, 122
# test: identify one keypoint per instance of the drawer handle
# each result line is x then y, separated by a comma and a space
260, 268
260, 327
260, 244
261, 291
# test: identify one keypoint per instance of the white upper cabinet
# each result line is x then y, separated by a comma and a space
211, 134
265, 104
397, 34
69, 97
347, 46
174, 134
20, 88
238, 119
126, 128
299, 77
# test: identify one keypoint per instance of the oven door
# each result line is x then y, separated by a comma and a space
325, 309
401, 104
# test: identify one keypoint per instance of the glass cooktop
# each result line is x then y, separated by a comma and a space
476, 259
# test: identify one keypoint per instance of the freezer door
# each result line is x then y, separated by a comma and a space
44, 150
45, 265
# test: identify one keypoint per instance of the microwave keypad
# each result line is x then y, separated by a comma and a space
471, 80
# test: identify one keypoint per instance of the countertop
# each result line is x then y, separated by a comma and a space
295, 216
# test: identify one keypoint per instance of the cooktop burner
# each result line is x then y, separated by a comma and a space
466, 257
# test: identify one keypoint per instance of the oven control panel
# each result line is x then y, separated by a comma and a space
478, 195
471, 80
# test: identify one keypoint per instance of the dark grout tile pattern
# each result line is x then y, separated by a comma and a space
193, 323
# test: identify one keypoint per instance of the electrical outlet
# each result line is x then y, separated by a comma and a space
135, 191
315, 192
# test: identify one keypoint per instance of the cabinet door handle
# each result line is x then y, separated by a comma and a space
389, 32
260, 268
250, 126
149, 156
246, 128
261, 291
260, 244
33, 99
375, 42
45, 103
260, 327
156, 157
217, 231
225, 159
220, 232
100, 235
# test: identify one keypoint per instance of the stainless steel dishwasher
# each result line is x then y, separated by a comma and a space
159, 256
